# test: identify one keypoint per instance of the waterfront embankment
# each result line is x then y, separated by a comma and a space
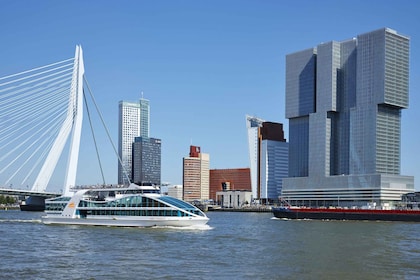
244, 209
7, 207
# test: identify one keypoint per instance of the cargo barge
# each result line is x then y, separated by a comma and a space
405, 215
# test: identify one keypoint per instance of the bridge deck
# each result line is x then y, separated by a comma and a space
28, 193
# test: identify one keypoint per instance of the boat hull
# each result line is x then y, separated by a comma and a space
127, 221
347, 214
32, 207
33, 203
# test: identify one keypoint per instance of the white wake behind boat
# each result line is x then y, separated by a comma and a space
135, 206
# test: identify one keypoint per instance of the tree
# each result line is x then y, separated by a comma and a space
7, 200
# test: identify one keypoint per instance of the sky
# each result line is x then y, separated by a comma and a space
204, 65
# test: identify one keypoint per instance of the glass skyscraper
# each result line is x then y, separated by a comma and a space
133, 122
273, 160
344, 102
252, 125
268, 156
146, 161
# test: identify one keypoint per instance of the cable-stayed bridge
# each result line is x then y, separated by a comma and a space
40, 111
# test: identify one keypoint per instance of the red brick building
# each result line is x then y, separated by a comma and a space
230, 179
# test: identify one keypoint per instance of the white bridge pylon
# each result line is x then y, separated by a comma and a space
72, 123
39, 110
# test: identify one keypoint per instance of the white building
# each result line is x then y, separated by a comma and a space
252, 125
175, 191
234, 199
133, 122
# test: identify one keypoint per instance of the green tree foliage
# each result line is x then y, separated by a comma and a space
7, 200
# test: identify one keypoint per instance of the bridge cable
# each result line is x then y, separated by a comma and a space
35, 69
106, 129
33, 105
94, 138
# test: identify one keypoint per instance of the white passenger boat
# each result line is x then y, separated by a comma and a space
135, 206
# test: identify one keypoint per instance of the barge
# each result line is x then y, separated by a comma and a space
405, 215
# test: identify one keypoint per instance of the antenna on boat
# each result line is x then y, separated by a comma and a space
284, 201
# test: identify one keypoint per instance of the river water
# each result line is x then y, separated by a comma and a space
232, 246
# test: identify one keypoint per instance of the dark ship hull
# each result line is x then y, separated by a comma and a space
346, 214
33, 203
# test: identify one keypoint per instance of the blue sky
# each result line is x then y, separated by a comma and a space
203, 65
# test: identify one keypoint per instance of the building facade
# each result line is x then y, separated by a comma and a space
273, 161
146, 167
133, 121
229, 179
269, 158
252, 125
235, 199
175, 191
196, 175
344, 102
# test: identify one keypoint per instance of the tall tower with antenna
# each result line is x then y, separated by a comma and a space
134, 121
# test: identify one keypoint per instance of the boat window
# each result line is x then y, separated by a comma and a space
181, 204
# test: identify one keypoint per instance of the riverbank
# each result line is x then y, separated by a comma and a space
11, 207
245, 209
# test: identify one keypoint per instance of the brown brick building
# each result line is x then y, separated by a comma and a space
230, 179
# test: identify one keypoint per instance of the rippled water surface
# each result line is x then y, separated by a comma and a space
232, 246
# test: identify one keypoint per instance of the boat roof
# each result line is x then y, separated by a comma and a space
132, 186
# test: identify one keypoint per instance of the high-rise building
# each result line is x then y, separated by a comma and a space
146, 161
268, 155
273, 160
252, 125
133, 122
344, 102
196, 178
144, 106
